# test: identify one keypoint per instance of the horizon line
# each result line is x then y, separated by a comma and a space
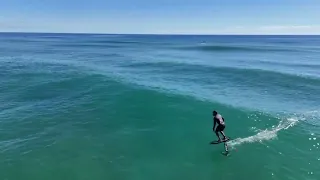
168, 34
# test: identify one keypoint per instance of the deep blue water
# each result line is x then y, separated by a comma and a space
96, 106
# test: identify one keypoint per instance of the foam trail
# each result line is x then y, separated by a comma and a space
311, 117
265, 134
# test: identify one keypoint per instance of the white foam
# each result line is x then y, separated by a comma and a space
265, 134
311, 117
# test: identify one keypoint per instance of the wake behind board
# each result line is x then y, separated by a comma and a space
222, 141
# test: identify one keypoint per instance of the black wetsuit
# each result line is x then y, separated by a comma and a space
220, 121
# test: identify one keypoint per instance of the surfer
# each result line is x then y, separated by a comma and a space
218, 119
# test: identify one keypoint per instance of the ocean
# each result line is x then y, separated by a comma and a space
139, 107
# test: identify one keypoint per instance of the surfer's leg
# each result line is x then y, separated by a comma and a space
217, 133
224, 136
221, 131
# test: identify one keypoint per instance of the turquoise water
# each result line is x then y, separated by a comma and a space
139, 107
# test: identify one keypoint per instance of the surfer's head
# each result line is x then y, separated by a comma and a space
214, 113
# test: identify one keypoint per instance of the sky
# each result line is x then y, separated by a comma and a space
161, 16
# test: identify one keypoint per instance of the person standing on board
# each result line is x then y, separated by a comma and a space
218, 119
